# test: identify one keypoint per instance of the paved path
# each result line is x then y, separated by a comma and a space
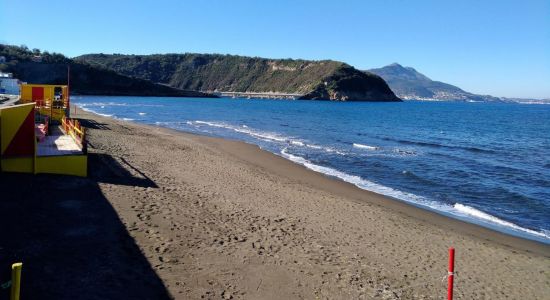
11, 99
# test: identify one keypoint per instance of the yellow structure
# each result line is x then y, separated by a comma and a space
63, 151
15, 281
50, 100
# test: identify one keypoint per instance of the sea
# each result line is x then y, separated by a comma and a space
484, 163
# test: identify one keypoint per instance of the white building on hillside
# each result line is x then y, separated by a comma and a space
8, 84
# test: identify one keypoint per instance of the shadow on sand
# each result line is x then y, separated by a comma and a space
70, 239
93, 124
107, 169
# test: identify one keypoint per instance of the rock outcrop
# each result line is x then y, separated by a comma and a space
346, 84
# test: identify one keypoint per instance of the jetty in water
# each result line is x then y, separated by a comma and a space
257, 95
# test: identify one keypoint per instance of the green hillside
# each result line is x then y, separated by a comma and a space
330, 80
85, 79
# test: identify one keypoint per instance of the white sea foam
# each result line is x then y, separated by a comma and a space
366, 147
458, 210
297, 143
84, 107
478, 214
265, 136
255, 133
262, 135
105, 115
360, 182
142, 114
104, 104
324, 148
313, 146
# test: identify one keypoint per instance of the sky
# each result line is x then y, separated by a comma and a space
500, 48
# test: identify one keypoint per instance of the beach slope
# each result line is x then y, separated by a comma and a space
220, 219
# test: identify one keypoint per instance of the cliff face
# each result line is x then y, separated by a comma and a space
348, 85
85, 79
321, 80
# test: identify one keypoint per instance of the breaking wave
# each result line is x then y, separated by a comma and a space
478, 214
266, 136
366, 147
457, 210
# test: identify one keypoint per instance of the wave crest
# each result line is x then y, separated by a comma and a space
470, 211
457, 210
366, 147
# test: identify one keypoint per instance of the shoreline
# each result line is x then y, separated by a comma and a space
165, 214
350, 190
274, 163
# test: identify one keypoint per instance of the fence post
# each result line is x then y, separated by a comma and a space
451, 274
15, 280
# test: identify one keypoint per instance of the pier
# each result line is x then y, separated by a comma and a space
258, 95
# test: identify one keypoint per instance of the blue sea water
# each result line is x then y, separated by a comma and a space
486, 163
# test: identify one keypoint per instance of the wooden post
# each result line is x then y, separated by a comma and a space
451, 274
69, 91
15, 281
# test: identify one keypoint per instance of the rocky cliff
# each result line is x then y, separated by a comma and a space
347, 84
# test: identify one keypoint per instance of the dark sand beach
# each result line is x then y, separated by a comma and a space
165, 214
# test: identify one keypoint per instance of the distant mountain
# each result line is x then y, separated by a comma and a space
409, 84
321, 80
51, 68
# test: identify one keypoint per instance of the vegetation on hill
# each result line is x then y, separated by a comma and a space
346, 83
34, 66
330, 80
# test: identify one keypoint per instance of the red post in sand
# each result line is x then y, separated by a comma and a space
451, 274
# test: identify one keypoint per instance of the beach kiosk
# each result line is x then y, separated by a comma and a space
37, 136
50, 100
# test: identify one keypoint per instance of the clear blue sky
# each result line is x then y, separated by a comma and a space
496, 47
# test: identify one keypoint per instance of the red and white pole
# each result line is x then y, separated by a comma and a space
451, 274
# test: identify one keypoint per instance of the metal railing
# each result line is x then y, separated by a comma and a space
73, 128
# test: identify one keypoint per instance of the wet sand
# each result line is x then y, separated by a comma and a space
221, 219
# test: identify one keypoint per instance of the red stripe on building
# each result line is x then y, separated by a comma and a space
22, 143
